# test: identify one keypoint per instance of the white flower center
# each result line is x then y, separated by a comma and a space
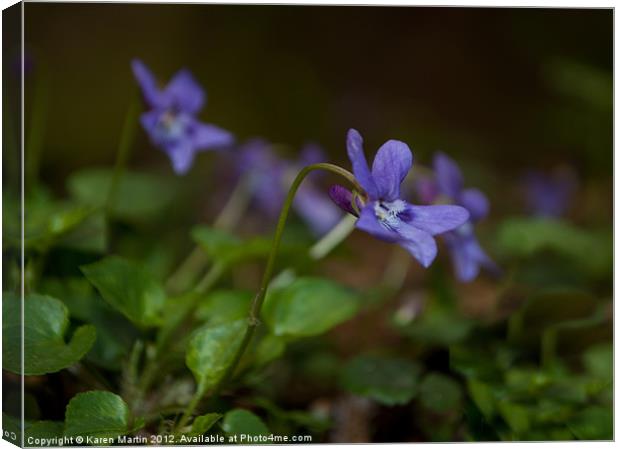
170, 125
388, 212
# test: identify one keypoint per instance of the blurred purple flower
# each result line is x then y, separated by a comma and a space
383, 213
264, 172
270, 178
171, 123
467, 255
549, 195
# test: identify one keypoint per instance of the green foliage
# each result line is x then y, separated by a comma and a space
525, 237
45, 324
307, 307
593, 423
440, 393
227, 248
239, 421
222, 306
269, 348
115, 334
387, 380
437, 326
211, 350
128, 288
98, 414
51, 222
203, 423
140, 196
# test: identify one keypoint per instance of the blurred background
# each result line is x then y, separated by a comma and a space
509, 88
503, 91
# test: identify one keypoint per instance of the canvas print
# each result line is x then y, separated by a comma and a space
243, 224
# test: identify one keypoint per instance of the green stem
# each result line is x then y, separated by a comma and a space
189, 410
260, 296
267, 275
122, 155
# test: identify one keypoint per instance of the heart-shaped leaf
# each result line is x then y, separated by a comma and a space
224, 305
128, 288
307, 307
45, 324
98, 414
228, 248
243, 422
211, 351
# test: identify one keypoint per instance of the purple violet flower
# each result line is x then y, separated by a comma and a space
171, 123
382, 213
467, 255
270, 178
549, 195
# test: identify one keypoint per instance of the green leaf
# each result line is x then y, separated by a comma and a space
128, 288
47, 222
211, 351
438, 326
97, 413
307, 307
228, 248
222, 306
387, 380
440, 393
269, 348
524, 237
115, 334
45, 325
139, 196
88, 236
243, 422
307, 420
515, 415
203, 423
482, 395
593, 423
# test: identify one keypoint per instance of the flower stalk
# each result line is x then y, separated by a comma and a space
259, 298
253, 317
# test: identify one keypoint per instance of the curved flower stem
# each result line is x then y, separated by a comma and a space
253, 318
260, 295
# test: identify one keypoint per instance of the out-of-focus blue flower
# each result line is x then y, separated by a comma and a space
264, 173
270, 178
171, 123
383, 213
467, 255
549, 195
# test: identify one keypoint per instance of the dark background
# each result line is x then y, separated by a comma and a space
506, 89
